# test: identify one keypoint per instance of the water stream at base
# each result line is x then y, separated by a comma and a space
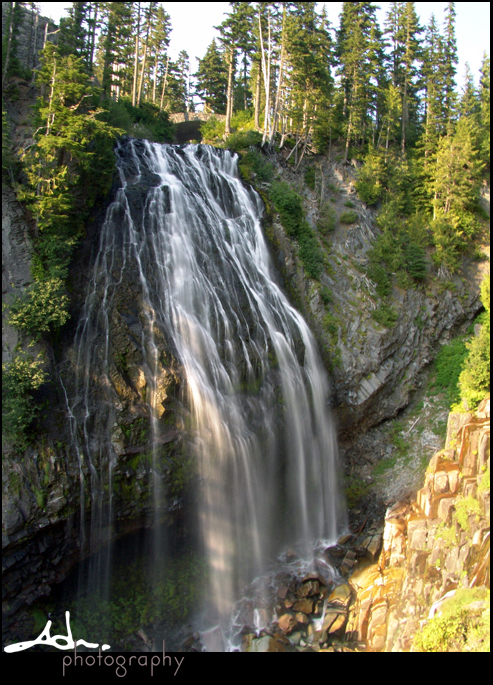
255, 390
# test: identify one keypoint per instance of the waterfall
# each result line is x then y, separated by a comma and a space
254, 391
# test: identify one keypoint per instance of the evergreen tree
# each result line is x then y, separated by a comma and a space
484, 97
10, 63
116, 48
73, 36
450, 61
212, 80
71, 142
455, 187
244, 21
160, 39
403, 29
358, 31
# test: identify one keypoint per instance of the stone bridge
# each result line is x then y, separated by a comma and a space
188, 125
194, 116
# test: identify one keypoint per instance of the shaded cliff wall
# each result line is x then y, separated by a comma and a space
31, 34
373, 368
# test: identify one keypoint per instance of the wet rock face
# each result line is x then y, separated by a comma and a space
42, 489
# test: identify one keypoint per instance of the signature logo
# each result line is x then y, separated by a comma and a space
45, 639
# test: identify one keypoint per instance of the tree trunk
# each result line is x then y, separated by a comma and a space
256, 121
164, 84
93, 35
229, 96
28, 63
144, 60
154, 81
404, 117
266, 73
142, 75
279, 85
136, 59
348, 137
9, 45
35, 45
51, 116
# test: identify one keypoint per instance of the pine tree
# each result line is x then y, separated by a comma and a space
73, 36
212, 79
484, 116
116, 48
403, 29
455, 188
10, 63
450, 61
244, 21
358, 30
160, 39
62, 158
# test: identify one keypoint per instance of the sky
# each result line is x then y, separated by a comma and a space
193, 26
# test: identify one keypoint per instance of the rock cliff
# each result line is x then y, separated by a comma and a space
433, 544
374, 369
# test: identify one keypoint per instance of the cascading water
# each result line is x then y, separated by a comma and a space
254, 390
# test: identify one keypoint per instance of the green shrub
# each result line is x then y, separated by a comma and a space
465, 507
254, 164
20, 379
415, 261
326, 295
327, 219
378, 274
370, 181
484, 484
385, 315
144, 121
310, 253
243, 140
289, 206
349, 204
212, 131
448, 366
354, 489
349, 217
310, 177
243, 120
460, 627
331, 324
44, 307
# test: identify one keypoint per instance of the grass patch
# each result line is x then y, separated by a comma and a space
327, 219
384, 465
447, 369
385, 315
310, 177
290, 208
326, 295
349, 217
355, 489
